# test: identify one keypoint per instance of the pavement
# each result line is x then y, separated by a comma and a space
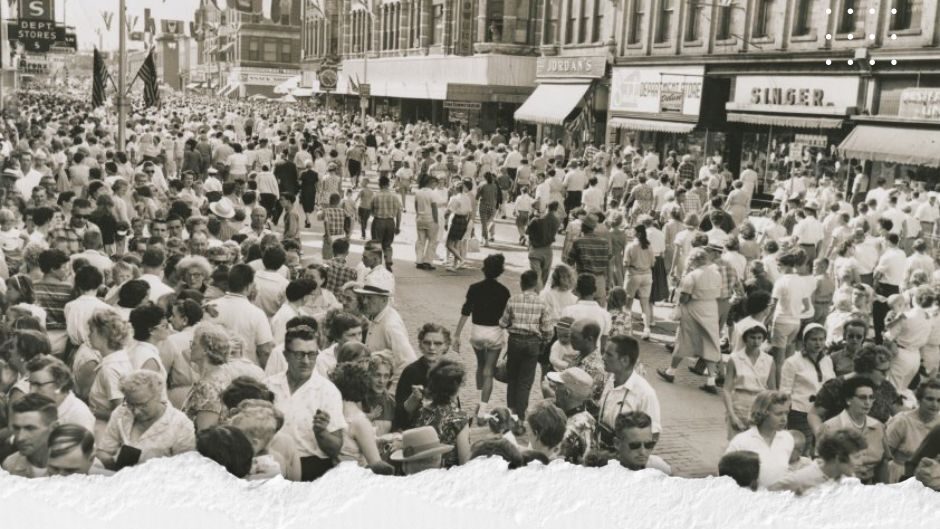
694, 432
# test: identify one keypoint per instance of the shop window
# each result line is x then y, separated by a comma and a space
571, 16
494, 21
802, 18
437, 24
635, 32
907, 15
525, 16
692, 30
664, 27
723, 31
762, 18
254, 50
270, 52
286, 52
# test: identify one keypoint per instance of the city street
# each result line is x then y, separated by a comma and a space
693, 437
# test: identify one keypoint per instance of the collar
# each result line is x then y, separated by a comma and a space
847, 422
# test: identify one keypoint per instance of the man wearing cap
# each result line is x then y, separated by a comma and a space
573, 388
809, 231
421, 449
386, 328
590, 254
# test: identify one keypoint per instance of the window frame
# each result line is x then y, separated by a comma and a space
803, 18
265, 50
667, 9
761, 28
635, 23
693, 26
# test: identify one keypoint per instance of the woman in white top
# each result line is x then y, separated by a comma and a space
768, 437
359, 440
557, 292
107, 335
749, 372
790, 302
802, 376
237, 163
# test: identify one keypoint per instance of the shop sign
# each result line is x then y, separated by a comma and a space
812, 140
263, 79
36, 35
463, 106
656, 90
920, 103
34, 64
590, 67
793, 93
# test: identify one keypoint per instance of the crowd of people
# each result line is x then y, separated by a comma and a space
158, 299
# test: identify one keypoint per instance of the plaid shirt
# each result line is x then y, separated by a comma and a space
686, 171
338, 274
385, 205
691, 203
590, 254
527, 313
69, 236
333, 219
730, 283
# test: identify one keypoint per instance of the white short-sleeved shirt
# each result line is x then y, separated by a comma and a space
591, 310
172, 434
774, 458
891, 265
298, 408
74, 411
107, 384
636, 394
244, 318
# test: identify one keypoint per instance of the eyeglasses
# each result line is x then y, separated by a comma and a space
636, 446
40, 384
309, 355
429, 343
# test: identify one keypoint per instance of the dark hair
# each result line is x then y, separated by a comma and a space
133, 293
39, 403
299, 288
840, 444
144, 318
757, 302
244, 388
498, 447
444, 380
31, 344
227, 446
626, 346
65, 437
57, 368
742, 466
547, 423
850, 386
529, 280
869, 357
52, 259
190, 309
352, 380
88, 278
153, 258
274, 258
340, 246
632, 419
586, 285
240, 277
493, 265
640, 232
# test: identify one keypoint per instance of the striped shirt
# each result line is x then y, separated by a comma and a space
52, 296
590, 254
386, 205
526, 313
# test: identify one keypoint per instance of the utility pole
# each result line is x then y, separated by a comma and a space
122, 73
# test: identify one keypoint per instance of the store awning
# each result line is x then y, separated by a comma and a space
776, 120
192, 86
550, 104
893, 144
652, 125
228, 89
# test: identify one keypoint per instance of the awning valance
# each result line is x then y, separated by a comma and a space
776, 120
227, 47
652, 125
893, 144
550, 104
228, 89
302, 92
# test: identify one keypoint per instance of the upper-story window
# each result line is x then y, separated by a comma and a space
694, 26
270, 51
254, 50
664, 26
571, 20
851, 17
437, 24
762, 18
286, 52
802, 18
906, 15
635, 24
723, 31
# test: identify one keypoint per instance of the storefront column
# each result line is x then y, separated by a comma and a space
346, 29
481, 20
509, 21
404, 26
448, 30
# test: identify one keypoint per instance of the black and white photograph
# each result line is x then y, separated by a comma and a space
419, 246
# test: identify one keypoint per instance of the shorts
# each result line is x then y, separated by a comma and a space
639, 285
783, 335
486, 340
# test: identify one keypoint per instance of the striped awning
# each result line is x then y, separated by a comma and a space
777, 120
550, 104
652, 125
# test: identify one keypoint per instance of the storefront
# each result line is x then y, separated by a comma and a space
570, 102
790, 123
902, 140
244, 82
660, 108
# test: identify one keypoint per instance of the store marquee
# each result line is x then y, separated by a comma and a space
831, 95
657, 90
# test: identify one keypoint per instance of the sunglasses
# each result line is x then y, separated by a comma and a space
636, 446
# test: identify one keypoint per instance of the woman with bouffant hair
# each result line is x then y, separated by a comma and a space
106, 361
768, 436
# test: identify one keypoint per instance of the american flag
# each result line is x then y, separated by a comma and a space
97, 86
148, 74
584, 121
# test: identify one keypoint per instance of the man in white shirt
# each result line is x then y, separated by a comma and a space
927, 213
879, 194
889, 274
78, 311
809, 232
387, 330
50, 377
270, 284
635, 442
311, 404
152, 267
624, 390
241, 316
749, 178
593, 198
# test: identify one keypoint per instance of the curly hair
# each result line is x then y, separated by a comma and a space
352, 381
195, 261
870, 357
444, 380
760, 409
215, 341
431, 327
111, 326
145, 379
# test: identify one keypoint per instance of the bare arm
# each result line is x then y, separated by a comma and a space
330, 442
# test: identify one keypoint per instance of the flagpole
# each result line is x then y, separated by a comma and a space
122, 72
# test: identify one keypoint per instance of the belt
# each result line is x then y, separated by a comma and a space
383, 218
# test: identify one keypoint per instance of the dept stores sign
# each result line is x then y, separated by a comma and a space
657, 90
796, 94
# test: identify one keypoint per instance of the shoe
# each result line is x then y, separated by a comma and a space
665, 376
480, 415
709, 389
419, 266
429, 267
307, 224
670, 347
720, 382
645, 335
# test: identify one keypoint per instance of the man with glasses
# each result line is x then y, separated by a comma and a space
311, 404
50, 377
68, 238
635, 441
624, 391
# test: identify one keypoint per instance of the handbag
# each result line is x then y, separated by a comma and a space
501, 373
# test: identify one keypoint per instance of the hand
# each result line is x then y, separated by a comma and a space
397, 231
417, 393
321, 420
928, 473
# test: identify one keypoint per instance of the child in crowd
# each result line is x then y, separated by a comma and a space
523, 208
825, 289
621, 316
351, 210
504, 422
562, 353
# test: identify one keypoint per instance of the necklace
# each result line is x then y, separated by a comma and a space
857, 425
